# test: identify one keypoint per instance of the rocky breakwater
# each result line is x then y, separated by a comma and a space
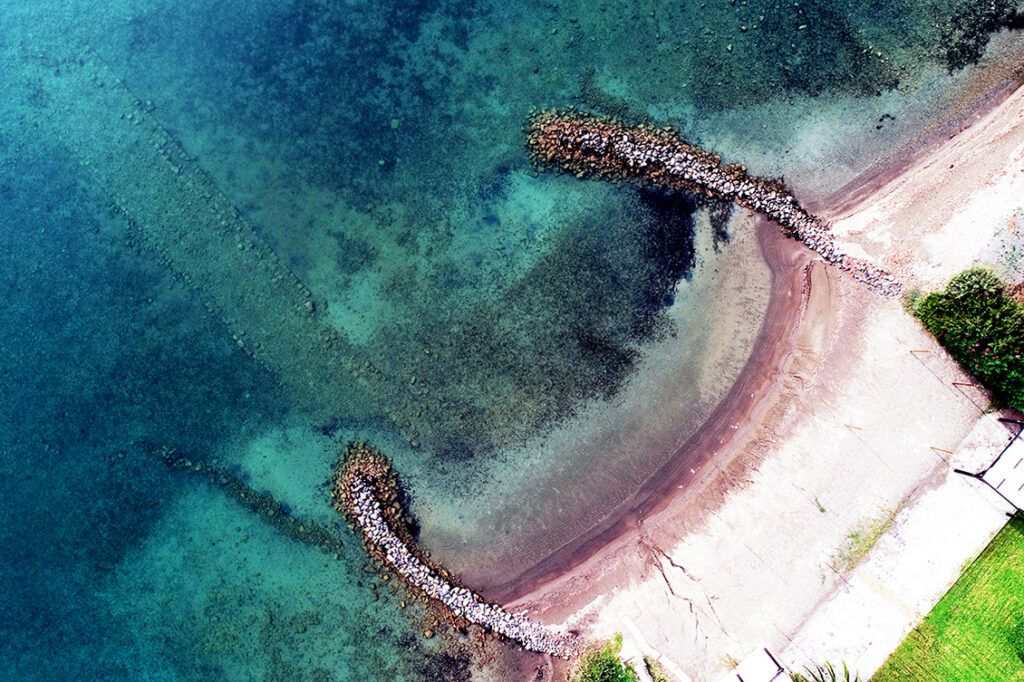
596, 146
366, 492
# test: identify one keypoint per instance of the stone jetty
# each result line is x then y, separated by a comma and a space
595, 146
366, 492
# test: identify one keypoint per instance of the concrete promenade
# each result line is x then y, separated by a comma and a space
913, 564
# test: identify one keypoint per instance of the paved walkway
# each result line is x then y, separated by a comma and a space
910, 567
670, 666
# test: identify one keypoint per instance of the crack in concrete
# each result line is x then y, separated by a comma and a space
656, 550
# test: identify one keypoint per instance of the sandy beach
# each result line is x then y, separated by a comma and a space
833, 424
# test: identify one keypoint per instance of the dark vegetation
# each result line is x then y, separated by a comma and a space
1017, 638
655, 670
602, 664
969, 26
825, 673
571, 330
982, 327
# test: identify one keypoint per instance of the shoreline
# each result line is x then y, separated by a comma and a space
914, 151
786, 259
571, 578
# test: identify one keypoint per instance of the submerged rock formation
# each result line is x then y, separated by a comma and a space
588, 145
268, 509
366, 491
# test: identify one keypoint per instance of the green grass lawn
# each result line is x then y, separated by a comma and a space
967, 635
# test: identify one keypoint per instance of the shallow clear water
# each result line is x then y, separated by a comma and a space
527, 347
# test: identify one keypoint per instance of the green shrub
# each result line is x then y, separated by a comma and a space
602, 664
973, 281
982, 327
825, 673
911, 300
655, 670
1017, 637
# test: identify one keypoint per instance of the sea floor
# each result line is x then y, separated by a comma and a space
253, 231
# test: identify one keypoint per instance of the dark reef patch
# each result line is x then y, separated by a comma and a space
968, 28
445, 667
354, 253
570, 330
739, 54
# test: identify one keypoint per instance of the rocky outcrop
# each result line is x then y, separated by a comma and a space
366, 492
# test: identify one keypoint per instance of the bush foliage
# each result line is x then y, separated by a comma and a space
982, 327
826, 673
655, 670
602, 664
1017, 638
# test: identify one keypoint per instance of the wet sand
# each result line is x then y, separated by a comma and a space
785, 258
867, 184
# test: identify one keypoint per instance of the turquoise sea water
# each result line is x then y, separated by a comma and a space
251, 231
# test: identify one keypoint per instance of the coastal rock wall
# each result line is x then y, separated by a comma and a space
366, 492
588, 145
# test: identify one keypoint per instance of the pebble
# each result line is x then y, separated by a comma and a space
366, 509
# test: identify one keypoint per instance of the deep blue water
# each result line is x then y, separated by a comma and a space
376, 149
